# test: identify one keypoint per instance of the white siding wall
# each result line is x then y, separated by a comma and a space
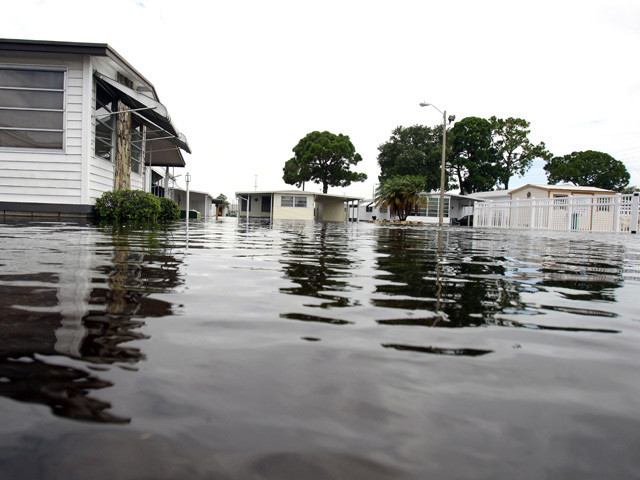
293, 213
52, 176
101, 170
333, 210
535, 193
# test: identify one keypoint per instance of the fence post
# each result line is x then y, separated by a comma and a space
532, 214
569, 211
515, 215
616, 213
635, 204
550, 203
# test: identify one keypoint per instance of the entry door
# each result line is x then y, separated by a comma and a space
266, 204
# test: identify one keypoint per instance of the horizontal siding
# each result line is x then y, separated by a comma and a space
101, 178
41, 176
136, 181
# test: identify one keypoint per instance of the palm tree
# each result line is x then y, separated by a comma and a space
401, 194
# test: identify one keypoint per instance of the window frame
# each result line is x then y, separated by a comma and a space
63, 110
110, 107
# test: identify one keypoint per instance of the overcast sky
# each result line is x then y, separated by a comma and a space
246, 80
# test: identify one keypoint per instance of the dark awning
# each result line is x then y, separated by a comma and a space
155, 115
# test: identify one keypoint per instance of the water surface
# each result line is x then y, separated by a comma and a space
235, 350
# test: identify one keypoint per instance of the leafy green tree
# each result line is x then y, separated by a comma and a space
474, 158
589, 168
515, 151
223, 197
415, 150
323, 157
401, 194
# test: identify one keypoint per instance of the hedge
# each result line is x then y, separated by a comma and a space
133, 206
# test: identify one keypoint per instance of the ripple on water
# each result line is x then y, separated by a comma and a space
301, 350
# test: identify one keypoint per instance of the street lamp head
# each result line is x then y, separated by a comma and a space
424, 104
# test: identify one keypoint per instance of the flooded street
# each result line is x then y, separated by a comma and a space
295, 350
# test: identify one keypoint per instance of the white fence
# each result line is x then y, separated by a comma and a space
607, 213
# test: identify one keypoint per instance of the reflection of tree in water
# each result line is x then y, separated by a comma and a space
52, 314
469, 286
316, 263
441, 283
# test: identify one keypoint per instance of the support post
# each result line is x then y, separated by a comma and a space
122, 162
616, 213
635, 205
532, 213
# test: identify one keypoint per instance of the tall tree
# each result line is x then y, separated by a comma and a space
474, 158
323, 157
589, 168
401, 193
415, 150
515, 151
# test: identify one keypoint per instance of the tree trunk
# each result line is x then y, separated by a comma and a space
122, 180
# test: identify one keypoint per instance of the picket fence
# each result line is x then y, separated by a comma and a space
607, 213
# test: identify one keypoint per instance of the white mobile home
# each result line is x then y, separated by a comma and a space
294, 205
455, 207
76, 120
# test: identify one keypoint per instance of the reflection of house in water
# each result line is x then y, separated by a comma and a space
88, 307
470, 281
316, 263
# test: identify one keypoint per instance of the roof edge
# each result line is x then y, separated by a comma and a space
78, 48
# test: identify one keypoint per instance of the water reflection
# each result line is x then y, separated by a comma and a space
474, 281
86, 304
318, 261
419, 276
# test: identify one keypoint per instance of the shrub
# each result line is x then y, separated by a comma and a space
169, 210
128, 206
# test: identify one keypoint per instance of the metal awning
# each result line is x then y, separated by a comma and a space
165, 141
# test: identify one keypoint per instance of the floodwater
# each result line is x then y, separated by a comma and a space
235, 350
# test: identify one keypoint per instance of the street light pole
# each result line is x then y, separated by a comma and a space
444, 160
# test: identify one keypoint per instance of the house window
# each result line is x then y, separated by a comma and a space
369, 209
31, 108
136, 147
433, 207
105, 124
291, 201
243, 204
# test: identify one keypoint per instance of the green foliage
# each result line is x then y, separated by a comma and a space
474, 157
401, 194
223, 197
128, 206
589, 168
323, 157
515, 151
169, 210
415, 150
